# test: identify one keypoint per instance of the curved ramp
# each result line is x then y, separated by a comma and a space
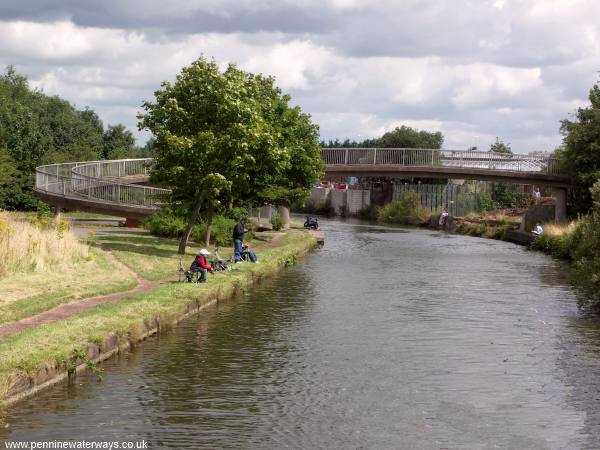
106, 187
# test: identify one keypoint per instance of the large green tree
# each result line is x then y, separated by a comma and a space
38, 129
229, 134
118, 143
407, 137
580, 154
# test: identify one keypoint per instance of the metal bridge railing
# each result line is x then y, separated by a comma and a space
105, 180
99, 180
440, 158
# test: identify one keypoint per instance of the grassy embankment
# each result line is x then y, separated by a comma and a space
407, 210
42, 265
59, 345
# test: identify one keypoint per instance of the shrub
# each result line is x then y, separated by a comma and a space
405, 210
484, 202
166, 223
586, 259
276, 221
236, 213
220, 234
557, 245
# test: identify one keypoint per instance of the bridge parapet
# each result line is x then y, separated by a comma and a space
437, 158
100, 181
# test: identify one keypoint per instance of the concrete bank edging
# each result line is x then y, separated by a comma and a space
25, 386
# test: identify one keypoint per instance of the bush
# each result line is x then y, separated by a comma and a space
405, 210
484, 202
276, 221
171, 223
236, 214
557, 246
166, 223
220, 234
586, 259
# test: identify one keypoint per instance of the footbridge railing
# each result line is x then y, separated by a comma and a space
468, 159
115, 181
104, 181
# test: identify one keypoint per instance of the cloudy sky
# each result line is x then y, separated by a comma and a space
473, 69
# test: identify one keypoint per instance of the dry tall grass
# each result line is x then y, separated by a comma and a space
36, 245
554, 229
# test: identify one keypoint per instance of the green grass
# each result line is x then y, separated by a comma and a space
28, 294
149, 256
30, 350
156, 258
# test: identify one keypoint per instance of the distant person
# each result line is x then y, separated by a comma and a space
201, 265
311, 223
238, 237
538, 230
537, 195
443, 218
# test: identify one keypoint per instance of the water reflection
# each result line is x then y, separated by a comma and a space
385, 338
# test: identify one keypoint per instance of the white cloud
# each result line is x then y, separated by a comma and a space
473, 70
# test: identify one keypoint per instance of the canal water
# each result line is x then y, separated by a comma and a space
383, 339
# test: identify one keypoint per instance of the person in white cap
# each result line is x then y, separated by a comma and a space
201, 265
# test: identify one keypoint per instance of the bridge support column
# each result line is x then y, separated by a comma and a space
284, 212
57, 213
560, 208
132, 223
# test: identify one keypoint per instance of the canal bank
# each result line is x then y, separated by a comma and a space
40, 356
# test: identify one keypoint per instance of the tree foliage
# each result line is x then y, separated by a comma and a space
118, 143
407, 137
38, 129
500, 147
400, 137
229, 135
580, 154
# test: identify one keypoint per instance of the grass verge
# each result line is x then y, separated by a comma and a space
26, 294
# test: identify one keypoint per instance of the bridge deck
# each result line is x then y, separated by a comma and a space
116, 187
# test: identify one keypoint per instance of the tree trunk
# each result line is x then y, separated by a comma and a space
190, 226
284, 212
209, 218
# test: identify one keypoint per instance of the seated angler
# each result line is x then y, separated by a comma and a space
200, 265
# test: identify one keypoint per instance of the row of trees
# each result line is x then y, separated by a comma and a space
229, 137
580, 153
399, 137
39, 129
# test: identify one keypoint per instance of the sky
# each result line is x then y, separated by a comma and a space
472, 69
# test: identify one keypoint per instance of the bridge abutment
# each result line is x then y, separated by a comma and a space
560, 208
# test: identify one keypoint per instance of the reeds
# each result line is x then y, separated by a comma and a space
554, 229
37, 244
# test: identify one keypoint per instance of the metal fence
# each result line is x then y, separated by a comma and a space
440, 158
457, 198
102, 181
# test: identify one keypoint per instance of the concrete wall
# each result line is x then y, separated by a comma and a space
318, 196
349, 201
535, 214
338, 199
357, 200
